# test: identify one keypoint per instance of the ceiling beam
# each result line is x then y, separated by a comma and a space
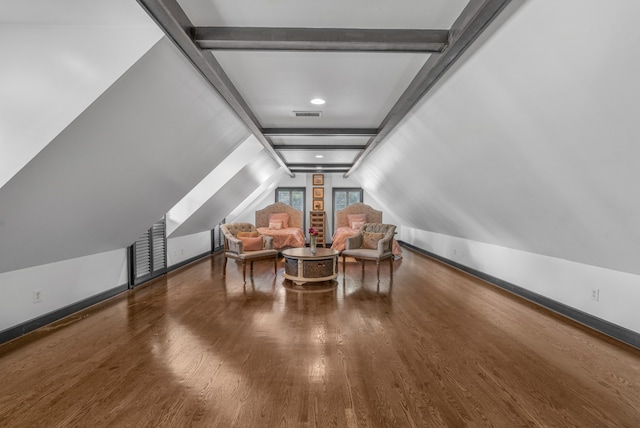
320, 132
473, 20
319, 171
316, 147
321, 39
319, 165
178, 28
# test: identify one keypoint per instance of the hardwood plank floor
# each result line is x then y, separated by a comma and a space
434, 348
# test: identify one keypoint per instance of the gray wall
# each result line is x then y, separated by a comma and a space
119, 167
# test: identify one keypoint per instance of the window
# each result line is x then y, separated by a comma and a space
343, 197
293, 196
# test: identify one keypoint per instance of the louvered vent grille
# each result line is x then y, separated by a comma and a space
217, 238
143, 256
307, 113
159, 246
149, 255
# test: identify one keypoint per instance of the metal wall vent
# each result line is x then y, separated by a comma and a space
307, 113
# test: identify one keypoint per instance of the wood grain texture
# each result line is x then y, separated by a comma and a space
434, 348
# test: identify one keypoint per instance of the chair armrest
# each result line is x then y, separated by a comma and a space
384, 245
354, 241
235, 245
268, 242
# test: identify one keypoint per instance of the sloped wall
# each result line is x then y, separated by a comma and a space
43, 89
523, 164
231, 194
532, 143
119, 167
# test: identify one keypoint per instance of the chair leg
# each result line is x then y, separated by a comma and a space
252, 268
275, 265
344, 264
378, 268
244, 271
224, 267
391, 265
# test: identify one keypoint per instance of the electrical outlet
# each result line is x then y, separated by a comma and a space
37, 295
595, 294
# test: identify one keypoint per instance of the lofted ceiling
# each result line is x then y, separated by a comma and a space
369, 61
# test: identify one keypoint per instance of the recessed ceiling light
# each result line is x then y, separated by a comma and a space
318, 101
319, 156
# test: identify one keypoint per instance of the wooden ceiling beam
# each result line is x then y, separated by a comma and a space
178, 28
321, 39
316, 147
320, 132
306, 166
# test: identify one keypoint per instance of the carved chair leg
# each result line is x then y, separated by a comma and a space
378, 268
344, 264
224, 267
244, 270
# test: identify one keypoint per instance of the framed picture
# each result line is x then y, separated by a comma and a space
318, 179
318, 192
318, 205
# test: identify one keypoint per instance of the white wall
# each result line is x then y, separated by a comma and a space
186, 247
257, 170
561, 280
526, 156
61, 284
212, 183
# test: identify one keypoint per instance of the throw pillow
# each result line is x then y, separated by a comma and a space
281, 217
357, 225
247, 234
252, 243
356, 218
275, 225
370, 240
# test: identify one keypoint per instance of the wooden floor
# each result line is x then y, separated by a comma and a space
435, 348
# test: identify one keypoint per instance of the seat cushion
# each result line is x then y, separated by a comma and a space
248, 234
362, 253
253, 254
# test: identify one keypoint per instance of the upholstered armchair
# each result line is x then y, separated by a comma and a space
242, 241
373, 242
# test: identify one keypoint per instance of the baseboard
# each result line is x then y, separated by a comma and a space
190, 260
612, 330
31, 325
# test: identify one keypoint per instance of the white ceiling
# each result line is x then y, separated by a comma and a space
422, 14
361, 88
